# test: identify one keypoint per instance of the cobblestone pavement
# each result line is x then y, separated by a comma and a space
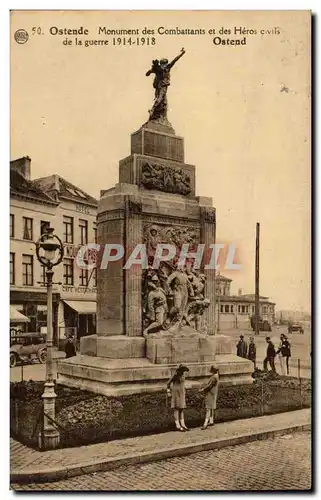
28, 460
282, 463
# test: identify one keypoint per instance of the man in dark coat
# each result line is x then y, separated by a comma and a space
252, 351
284, 351
270, 355
70, 348
241, 348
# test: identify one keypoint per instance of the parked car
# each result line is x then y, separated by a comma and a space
295, 327
27, 347
264, 325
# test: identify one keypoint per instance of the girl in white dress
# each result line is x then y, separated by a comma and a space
176, 389
210, 392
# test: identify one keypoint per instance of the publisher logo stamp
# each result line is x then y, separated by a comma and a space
21, 36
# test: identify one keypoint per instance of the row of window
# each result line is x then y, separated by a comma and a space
222, 291
68, 232
28, 272
229, 308
68, 277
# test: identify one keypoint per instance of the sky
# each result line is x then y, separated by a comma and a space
244, 113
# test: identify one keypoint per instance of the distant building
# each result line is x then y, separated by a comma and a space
235, 311
34, 205
292, 315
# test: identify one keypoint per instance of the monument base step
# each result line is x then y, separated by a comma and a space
116, 377
184, 347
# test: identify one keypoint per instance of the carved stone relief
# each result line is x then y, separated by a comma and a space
165, 178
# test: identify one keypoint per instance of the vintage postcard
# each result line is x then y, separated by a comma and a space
160, 250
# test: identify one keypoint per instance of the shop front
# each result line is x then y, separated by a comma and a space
33, 306
18, 321
77, 313
82, 315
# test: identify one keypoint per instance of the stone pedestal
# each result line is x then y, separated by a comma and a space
113, 347
155, 193
113, 376
193, 348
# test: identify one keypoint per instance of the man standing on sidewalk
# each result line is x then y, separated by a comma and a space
252, 352
241, 347
70, 348
284, 352
270, 355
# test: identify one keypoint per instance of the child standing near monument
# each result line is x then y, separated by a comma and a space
210, 392
176, 389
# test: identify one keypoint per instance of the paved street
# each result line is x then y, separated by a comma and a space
35, 370
282, 463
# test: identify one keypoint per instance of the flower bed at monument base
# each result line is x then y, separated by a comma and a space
86, 418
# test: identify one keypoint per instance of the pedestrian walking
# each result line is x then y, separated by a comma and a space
280, 356
270, 355
210, 392
241, 347
176, 389
252, 352
70, 348
284, 352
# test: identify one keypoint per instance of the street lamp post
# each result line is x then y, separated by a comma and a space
218, 311
49, 250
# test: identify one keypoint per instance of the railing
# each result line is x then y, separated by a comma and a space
298, 369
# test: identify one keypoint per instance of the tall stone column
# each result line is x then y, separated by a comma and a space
110, 282
133, 276
208, 237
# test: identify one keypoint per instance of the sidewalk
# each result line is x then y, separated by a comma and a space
29, 466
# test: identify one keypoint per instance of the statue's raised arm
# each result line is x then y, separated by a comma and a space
171, 64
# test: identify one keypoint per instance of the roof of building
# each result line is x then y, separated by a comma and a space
23, 188
250, 299
222, 278
65, 189
252, 296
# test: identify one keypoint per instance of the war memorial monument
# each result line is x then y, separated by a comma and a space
151, 318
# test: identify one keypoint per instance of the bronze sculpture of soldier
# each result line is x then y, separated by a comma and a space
161, 69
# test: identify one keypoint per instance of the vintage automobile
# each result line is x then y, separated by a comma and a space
295, 327
27, 347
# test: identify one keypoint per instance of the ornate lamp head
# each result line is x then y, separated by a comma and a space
49, 249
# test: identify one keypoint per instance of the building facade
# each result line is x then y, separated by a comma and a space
235, 311
34, 205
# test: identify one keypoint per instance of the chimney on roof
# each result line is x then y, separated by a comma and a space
22, 166
56, 183
240, 292
54, 188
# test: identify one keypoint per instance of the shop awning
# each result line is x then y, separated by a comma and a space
17, 317
82, 306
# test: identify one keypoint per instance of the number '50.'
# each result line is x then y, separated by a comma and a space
36, 31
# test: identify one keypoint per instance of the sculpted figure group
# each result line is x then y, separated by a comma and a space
165, 178
174, 298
